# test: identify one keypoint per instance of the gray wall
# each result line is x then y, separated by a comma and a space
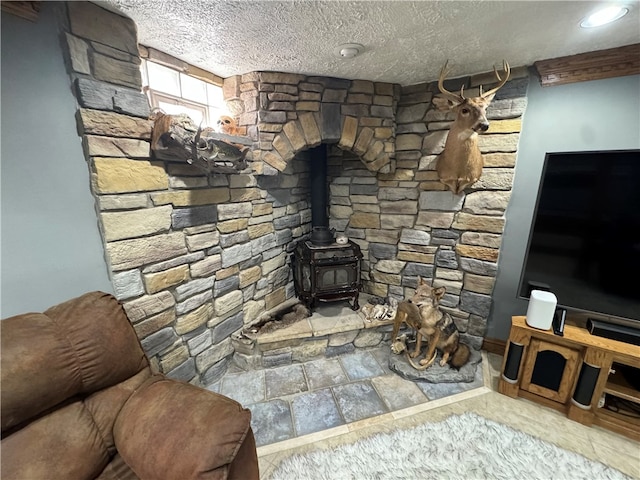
596, 115
51, 247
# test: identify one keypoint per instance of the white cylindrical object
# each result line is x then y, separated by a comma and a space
542, 306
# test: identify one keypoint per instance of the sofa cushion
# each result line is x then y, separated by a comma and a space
105, 406
68, 435
117, 469
86, 344
207, 429
74, 441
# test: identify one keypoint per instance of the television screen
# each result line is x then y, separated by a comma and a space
584, 243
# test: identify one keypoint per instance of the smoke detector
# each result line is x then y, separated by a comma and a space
348, 50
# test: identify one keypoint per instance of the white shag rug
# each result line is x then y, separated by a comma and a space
462, 447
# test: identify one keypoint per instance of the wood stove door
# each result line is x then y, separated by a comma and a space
335, 278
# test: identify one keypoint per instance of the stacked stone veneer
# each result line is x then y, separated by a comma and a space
409, 226
195, 258
289, 113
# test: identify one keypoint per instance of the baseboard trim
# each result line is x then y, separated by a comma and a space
494, 345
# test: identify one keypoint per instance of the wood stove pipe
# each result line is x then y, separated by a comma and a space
320, 232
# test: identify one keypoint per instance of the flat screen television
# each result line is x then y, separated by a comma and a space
584, 241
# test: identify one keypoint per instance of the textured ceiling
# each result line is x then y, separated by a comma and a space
404, 42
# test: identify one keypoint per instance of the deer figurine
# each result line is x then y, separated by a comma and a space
460, 164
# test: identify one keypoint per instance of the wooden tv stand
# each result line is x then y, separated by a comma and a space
571, 373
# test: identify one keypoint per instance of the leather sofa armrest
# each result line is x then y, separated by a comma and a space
172, 429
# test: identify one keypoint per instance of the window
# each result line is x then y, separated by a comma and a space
176, 92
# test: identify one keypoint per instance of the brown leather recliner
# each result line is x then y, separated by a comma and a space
79, 401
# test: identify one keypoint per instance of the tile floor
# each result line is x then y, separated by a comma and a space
324, 403
300, 399
595, 443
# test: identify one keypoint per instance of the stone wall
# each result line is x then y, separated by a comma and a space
409, 226
181, 248
288, 113
194, 258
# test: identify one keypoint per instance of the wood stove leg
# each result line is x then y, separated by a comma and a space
355, 305
307, 302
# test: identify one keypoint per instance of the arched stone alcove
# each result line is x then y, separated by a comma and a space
304, 133
286, 113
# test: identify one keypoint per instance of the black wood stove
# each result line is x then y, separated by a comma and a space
324, 270
327, 272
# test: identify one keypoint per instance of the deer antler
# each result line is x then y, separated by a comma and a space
454, 97
507, 70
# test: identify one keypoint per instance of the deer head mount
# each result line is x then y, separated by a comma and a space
460, 164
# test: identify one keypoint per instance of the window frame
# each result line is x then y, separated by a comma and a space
155, 97
181, 68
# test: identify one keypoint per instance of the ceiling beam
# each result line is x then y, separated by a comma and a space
614, 62
27, 10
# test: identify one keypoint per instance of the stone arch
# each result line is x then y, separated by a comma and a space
306, 132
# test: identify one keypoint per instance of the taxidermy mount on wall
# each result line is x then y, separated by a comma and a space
460, 164
226, 124
178, 138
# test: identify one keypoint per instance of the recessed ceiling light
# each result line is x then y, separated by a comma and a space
348, 50
604, 15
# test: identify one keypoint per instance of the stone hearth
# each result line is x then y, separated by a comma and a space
335, 329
